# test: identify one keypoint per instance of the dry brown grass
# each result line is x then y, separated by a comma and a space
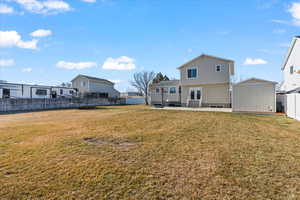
175, 155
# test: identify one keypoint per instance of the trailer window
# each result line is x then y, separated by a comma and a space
41, 92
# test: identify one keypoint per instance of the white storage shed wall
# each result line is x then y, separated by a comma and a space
254, 95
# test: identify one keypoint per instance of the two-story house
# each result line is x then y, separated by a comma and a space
204, 82
92, 86
291, 67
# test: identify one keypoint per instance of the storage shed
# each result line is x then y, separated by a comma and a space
254, 95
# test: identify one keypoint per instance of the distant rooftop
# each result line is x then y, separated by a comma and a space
92, 78
166, 83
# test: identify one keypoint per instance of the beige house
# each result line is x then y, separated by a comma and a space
165, 93
92, 86
204, 82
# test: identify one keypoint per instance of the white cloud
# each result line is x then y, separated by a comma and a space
120, 63
295, 12
41, 33
76, 66
4, 9
6, 62
13, 39
44, 7
27, 69
256, 61
280, 21
279, 31
28, 44
89, 1
286, 44
115, 81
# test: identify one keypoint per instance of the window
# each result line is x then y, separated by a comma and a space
172, 90
198, 94
192, 94
291, 69
83, 83
41, 92
157, 90
218, 68
71, 92
192, 73
61, 91
103, 95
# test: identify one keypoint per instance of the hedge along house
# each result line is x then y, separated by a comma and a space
204, 82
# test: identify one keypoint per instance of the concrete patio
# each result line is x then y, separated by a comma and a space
197, 109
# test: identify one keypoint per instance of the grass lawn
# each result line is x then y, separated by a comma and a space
133, 152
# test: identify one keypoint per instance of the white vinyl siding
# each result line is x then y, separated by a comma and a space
254, 96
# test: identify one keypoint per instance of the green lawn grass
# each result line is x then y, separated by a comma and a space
134, 152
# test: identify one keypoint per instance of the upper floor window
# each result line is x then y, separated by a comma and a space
172, 90
83, 83
291, 69
61, 91
218, 68
157, 90
192, 73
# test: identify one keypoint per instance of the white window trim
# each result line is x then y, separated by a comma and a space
158, 90
221, 68
195, 90
170, 90
187, 72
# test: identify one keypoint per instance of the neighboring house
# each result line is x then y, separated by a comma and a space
290, 89
92, 86
165, 93
204, 82
254, 95
16, 90
291, 67
131, 94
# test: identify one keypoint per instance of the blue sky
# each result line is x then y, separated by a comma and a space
51, 41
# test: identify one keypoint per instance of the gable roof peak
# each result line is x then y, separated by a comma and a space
91, 78
290, 51
205, 55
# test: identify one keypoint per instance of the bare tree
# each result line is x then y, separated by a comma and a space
141, 82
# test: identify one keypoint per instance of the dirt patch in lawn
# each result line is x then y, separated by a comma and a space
101, 142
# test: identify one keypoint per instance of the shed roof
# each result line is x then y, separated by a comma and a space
256, 80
